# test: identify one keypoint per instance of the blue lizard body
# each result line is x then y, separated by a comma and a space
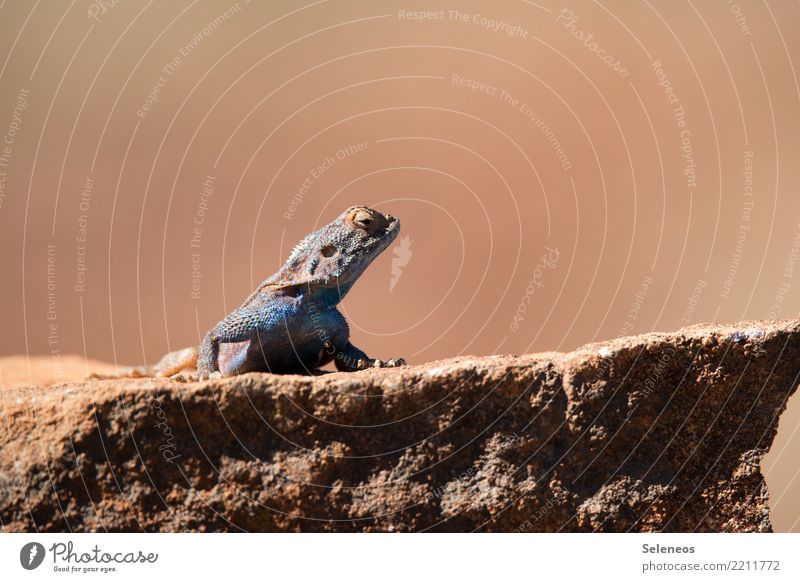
290, 323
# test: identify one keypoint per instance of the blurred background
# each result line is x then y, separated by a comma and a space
563, 174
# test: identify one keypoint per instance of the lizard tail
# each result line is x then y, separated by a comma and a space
170, 364
175, 362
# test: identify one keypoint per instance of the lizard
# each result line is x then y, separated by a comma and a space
290, 323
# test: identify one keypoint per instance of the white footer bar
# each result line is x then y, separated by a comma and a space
386, 557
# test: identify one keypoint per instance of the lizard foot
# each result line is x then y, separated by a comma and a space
185, 377
194, 376
365, 363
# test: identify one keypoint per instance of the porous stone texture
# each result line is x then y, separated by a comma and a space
660, 432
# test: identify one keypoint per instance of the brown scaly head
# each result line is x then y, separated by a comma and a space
336, 255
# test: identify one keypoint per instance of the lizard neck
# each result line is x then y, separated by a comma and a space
325, 296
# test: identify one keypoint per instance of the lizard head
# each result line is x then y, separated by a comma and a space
338, 253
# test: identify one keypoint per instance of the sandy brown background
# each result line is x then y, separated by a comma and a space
551, 148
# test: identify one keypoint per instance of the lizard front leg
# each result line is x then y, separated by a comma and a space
351, 359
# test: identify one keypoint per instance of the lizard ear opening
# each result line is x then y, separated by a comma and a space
328, 251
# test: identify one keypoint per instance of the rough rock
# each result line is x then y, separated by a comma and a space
660, 432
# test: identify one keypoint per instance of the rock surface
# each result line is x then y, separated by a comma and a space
660, 432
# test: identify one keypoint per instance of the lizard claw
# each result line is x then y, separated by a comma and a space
184, 377
363, 363
195, 377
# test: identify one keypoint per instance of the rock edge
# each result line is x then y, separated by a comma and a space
659, 432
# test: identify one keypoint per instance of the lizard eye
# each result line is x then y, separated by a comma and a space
361, 219
328, 251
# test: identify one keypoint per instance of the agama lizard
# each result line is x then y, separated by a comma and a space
290, 323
